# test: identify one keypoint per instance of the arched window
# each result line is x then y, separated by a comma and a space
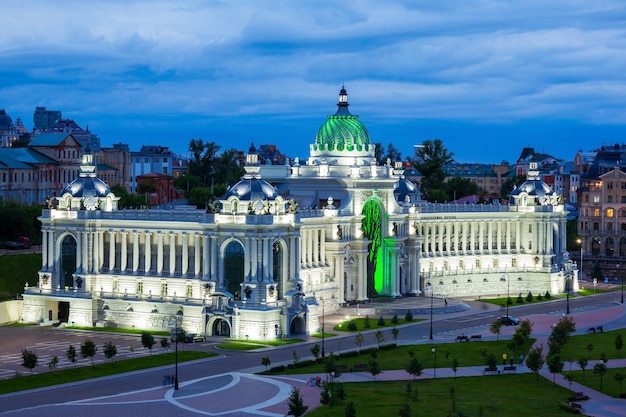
277, 272
233, 268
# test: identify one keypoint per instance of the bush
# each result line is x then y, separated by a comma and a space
520, 299
548, 296
394, 319
509, 301
352, 325
381, 321
368, 350
349, 354
388, 346
529, 297
540, 297
408, 316
366, 322
276, 369
305, 363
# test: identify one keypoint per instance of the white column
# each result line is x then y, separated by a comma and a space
101, 248
316, 248
215, 260
111, 250
44, 250
159, 265
79, 252
206, 256
508, 236
184, 262
148, 252
135, 251
490, 236
172, 243
51, 253
123, 251
323, 247
247, 267
499, 238
196, 257
86, 236
518, 235
448, 229
96, 252
473, 237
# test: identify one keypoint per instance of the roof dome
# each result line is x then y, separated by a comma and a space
5, 120
535, 188
251, 188
533, 191
86, 186
342, 131
405, 188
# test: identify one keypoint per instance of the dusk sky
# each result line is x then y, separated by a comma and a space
486, 77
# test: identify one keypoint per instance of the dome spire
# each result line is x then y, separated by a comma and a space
342, 106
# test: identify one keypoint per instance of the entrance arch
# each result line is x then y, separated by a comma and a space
372, 230
297, 326
68, 261
233, 268
220, 327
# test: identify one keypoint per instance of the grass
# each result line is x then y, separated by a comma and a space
326, 334
494, 396
27, 381
609, 384
361, 324
15, 272
467, 354
586, 291
255, 344
501, 301
576, 346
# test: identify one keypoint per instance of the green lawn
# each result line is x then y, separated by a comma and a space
609, 385
467, 354
493, 396
576, 346
361, 324
15, 272
47, 378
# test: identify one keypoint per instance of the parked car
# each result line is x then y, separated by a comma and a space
193, 338
509, 321
21, 242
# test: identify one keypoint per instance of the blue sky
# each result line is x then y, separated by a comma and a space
486, 77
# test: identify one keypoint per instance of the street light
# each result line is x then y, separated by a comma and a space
177, 330
567, 293
435, 369
323, 351
332, 387
619, 271
580, 268
508, 287
432, 295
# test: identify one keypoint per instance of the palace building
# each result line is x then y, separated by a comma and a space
288, 242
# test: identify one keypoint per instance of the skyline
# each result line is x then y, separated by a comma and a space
497, 76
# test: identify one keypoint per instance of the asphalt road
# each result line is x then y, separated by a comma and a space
445, 328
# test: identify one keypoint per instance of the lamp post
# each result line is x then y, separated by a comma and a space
435, 369
619, 271
580, 268
177, 333
332, 388
567, 294
323, 351
432, 296
508, 288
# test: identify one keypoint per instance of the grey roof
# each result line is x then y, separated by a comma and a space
87, 186
48, 139
252, 188
22, 158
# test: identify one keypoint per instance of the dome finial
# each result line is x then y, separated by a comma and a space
342, 106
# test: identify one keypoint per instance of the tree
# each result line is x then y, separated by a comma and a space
555, 366
29, 359
596, 271
394, 333
600, 369
380, 337
408, 316
340, 392
582, 363
71, 355
382, 153
147, 340
496, 328
510, 184
619, 378
265, 361
455, 366
405, 411
296, 404
430, 160
52, 365
560, 334
110, 350
88, 350
315, 351
414, 367
350, 410
295, 357
165, 343
325, 395
358, 340
373, 367
619, 343
458, 187
535, 360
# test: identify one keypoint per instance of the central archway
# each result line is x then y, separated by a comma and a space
220, 327
233, 268
372, 230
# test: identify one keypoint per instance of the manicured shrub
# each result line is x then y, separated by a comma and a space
548, 296
381, 321
529, 297
520, 299
394, 319
352, 325
408, 316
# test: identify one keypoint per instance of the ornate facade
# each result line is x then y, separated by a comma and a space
260, 261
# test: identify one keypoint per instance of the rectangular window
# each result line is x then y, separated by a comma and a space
623, 227
609, 212
624, 199
139, 290
596, 198
609, 185
609, 199
189, 291
596, 212
164, 289
530, 245
596, 226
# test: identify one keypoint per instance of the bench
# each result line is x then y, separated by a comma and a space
360, 367
591, 330
476, 337
462, 338
578, 396
490, 370
577, 406
342, 367
510, 368
600, 329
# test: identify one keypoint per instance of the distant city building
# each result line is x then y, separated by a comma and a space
150, 159
488, 177
602, 205
8, 131
43, 119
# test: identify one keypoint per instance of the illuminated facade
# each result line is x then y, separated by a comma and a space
285, 239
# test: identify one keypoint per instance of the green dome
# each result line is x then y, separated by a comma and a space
342, 131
